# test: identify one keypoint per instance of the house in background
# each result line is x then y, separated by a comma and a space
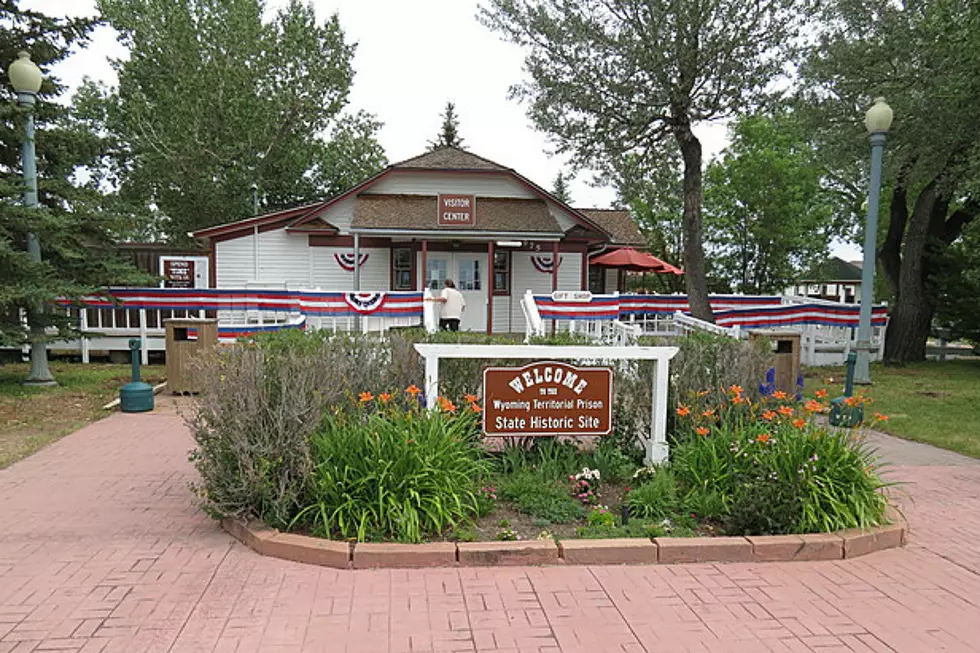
837, 281
447, 214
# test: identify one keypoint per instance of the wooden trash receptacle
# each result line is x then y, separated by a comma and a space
186, 340
785, 373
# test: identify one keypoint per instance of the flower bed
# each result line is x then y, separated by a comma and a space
373, 466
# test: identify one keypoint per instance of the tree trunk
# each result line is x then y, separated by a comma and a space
890, 252
911, 319
695, 275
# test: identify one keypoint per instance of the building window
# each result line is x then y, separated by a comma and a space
402, 269
501, 273
597, 280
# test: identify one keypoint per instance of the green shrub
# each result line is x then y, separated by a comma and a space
259, 404
615, 465
633, 529
398, 474
705, 504
547, 458
601, 516
656, 498
705, 465
545, 499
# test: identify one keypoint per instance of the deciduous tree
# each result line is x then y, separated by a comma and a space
923, 56
618, 77
767, 214
212, 100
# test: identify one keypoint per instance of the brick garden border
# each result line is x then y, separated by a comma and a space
661, 550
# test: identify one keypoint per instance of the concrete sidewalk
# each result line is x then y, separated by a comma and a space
103, 549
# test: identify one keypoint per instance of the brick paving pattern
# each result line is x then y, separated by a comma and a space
103, 550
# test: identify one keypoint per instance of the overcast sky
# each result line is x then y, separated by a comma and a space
412, 56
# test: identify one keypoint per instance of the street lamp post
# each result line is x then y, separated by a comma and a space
877, 120
25, 77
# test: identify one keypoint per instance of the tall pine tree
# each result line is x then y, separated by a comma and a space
449, 133
76, 235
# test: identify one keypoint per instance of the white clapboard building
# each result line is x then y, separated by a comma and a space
447, 214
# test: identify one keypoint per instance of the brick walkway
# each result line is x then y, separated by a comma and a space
103, 550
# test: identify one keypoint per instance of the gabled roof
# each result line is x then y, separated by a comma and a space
420, 213
834, 269
450, 158
618, 223
285, 217
443, 159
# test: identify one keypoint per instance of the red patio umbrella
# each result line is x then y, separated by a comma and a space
632, 260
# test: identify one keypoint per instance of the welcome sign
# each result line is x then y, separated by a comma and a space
547, 398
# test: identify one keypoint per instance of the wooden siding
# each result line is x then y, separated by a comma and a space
416, 183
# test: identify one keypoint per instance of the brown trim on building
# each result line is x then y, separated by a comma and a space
425, 265
413, 248
585, 270
490, 286
318, 240
245, 225
510, 273
212, 265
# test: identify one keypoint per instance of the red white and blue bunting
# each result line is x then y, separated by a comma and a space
600, 308
670, 304
346, 261
304, 302
545, 264
747, 312
365, 303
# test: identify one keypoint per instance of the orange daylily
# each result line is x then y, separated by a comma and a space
446, 405
384, 397
799, 422
779, 394
737, 389
881, 418
785, 411
470, 398
821, 393
708, 413
851, 401
704, 393
476, 408
702, 430
768, 415
683, 411
365, 397
813, 406
763, 438
413, 390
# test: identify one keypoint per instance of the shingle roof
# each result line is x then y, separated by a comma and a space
450, 158
419, 213
618, 223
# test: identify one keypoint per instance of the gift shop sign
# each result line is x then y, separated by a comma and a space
547, 398
457, 211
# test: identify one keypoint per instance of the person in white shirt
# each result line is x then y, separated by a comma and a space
453, 305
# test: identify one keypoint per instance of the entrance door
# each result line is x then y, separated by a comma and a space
468, 271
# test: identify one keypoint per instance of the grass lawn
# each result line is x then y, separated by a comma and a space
33, 417
933, 402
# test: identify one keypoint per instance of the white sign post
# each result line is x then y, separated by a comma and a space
656, 445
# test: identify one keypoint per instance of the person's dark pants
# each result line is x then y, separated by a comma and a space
449, 324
